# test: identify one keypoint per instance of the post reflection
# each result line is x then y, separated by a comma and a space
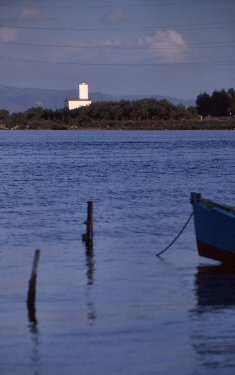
90, 262
34, 331
211, 320
91, 315
32, 317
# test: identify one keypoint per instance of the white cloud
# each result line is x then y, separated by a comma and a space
168, 45
30, 14
95, 50
110, 43
114, 17
7, 34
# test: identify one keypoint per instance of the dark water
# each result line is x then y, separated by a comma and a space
122, 310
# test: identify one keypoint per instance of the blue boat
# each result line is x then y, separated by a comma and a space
215, 229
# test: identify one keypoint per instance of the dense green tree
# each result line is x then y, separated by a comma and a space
35, 113
181, 110
48, 114
203, 104
128, 110
193, 111
220, 103
4, 114
115, 111
141, 109
231, 93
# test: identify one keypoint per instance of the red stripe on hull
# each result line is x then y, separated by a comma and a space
215, 253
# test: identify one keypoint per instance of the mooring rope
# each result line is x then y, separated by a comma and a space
185, 225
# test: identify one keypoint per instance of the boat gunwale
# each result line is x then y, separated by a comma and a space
209, 204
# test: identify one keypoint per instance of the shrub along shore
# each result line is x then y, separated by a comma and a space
191, 124
144, 114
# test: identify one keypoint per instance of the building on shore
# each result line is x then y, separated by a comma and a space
83, 99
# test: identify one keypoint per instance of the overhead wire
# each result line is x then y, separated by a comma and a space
214, 25
156, 4
217, 25
169, 46
118, 64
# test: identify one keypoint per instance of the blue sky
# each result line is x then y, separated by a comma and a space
170, 47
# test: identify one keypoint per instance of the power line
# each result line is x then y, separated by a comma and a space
169, 46
227, 63
117, 6
222, 25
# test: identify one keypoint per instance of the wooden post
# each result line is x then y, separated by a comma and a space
88, 236
32, 287
90, 224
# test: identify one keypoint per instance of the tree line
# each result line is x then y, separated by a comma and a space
220, 103
124, 110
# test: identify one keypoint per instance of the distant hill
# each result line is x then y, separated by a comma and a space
16, 99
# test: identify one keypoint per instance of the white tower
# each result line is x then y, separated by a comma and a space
83, 91
81, 101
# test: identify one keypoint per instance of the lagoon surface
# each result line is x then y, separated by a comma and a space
119, 309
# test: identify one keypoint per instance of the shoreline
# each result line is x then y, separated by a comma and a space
204, 124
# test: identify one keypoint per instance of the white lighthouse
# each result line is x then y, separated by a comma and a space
83, 99
83, 91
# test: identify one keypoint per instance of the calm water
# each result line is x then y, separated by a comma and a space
122, 310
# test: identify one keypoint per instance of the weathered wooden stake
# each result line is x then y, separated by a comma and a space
88, 236
32, 286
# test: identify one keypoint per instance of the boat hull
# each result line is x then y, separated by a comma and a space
213, 252
215, 232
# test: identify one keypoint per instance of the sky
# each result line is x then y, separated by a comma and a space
177, 48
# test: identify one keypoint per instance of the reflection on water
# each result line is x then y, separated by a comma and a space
90, 280
35, 357
34, 331
215, 286
140, 182
90, 262
32, 316
212, 320
33, 323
